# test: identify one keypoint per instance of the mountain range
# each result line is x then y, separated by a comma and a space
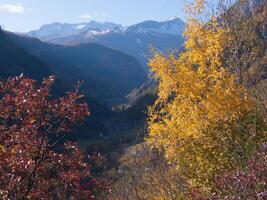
135, 40
56, 30
109, 58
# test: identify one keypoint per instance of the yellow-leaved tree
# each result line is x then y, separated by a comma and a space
203, 118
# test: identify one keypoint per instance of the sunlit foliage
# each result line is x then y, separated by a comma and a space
203, 119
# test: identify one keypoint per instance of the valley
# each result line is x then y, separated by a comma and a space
116, 80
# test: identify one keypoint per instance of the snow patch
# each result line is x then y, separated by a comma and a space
171, 18
80, 27
93, 33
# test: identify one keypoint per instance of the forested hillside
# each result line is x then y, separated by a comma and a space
15, 60
109, 75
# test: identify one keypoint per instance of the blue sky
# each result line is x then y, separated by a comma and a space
25, 15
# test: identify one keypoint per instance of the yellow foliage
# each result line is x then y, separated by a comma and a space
196, 7
2, 148
200, 112
195, 89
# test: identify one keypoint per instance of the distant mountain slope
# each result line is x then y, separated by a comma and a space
139, 44
109, 75
14, 60
134, 40
139, 100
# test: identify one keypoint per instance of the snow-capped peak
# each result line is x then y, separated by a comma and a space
173, 26
66, 29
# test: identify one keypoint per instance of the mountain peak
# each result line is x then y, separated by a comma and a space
172, 18
173, 26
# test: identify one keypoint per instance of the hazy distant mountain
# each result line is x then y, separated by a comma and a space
58, 30
134, 40
173, 26
55, 31
109, 75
